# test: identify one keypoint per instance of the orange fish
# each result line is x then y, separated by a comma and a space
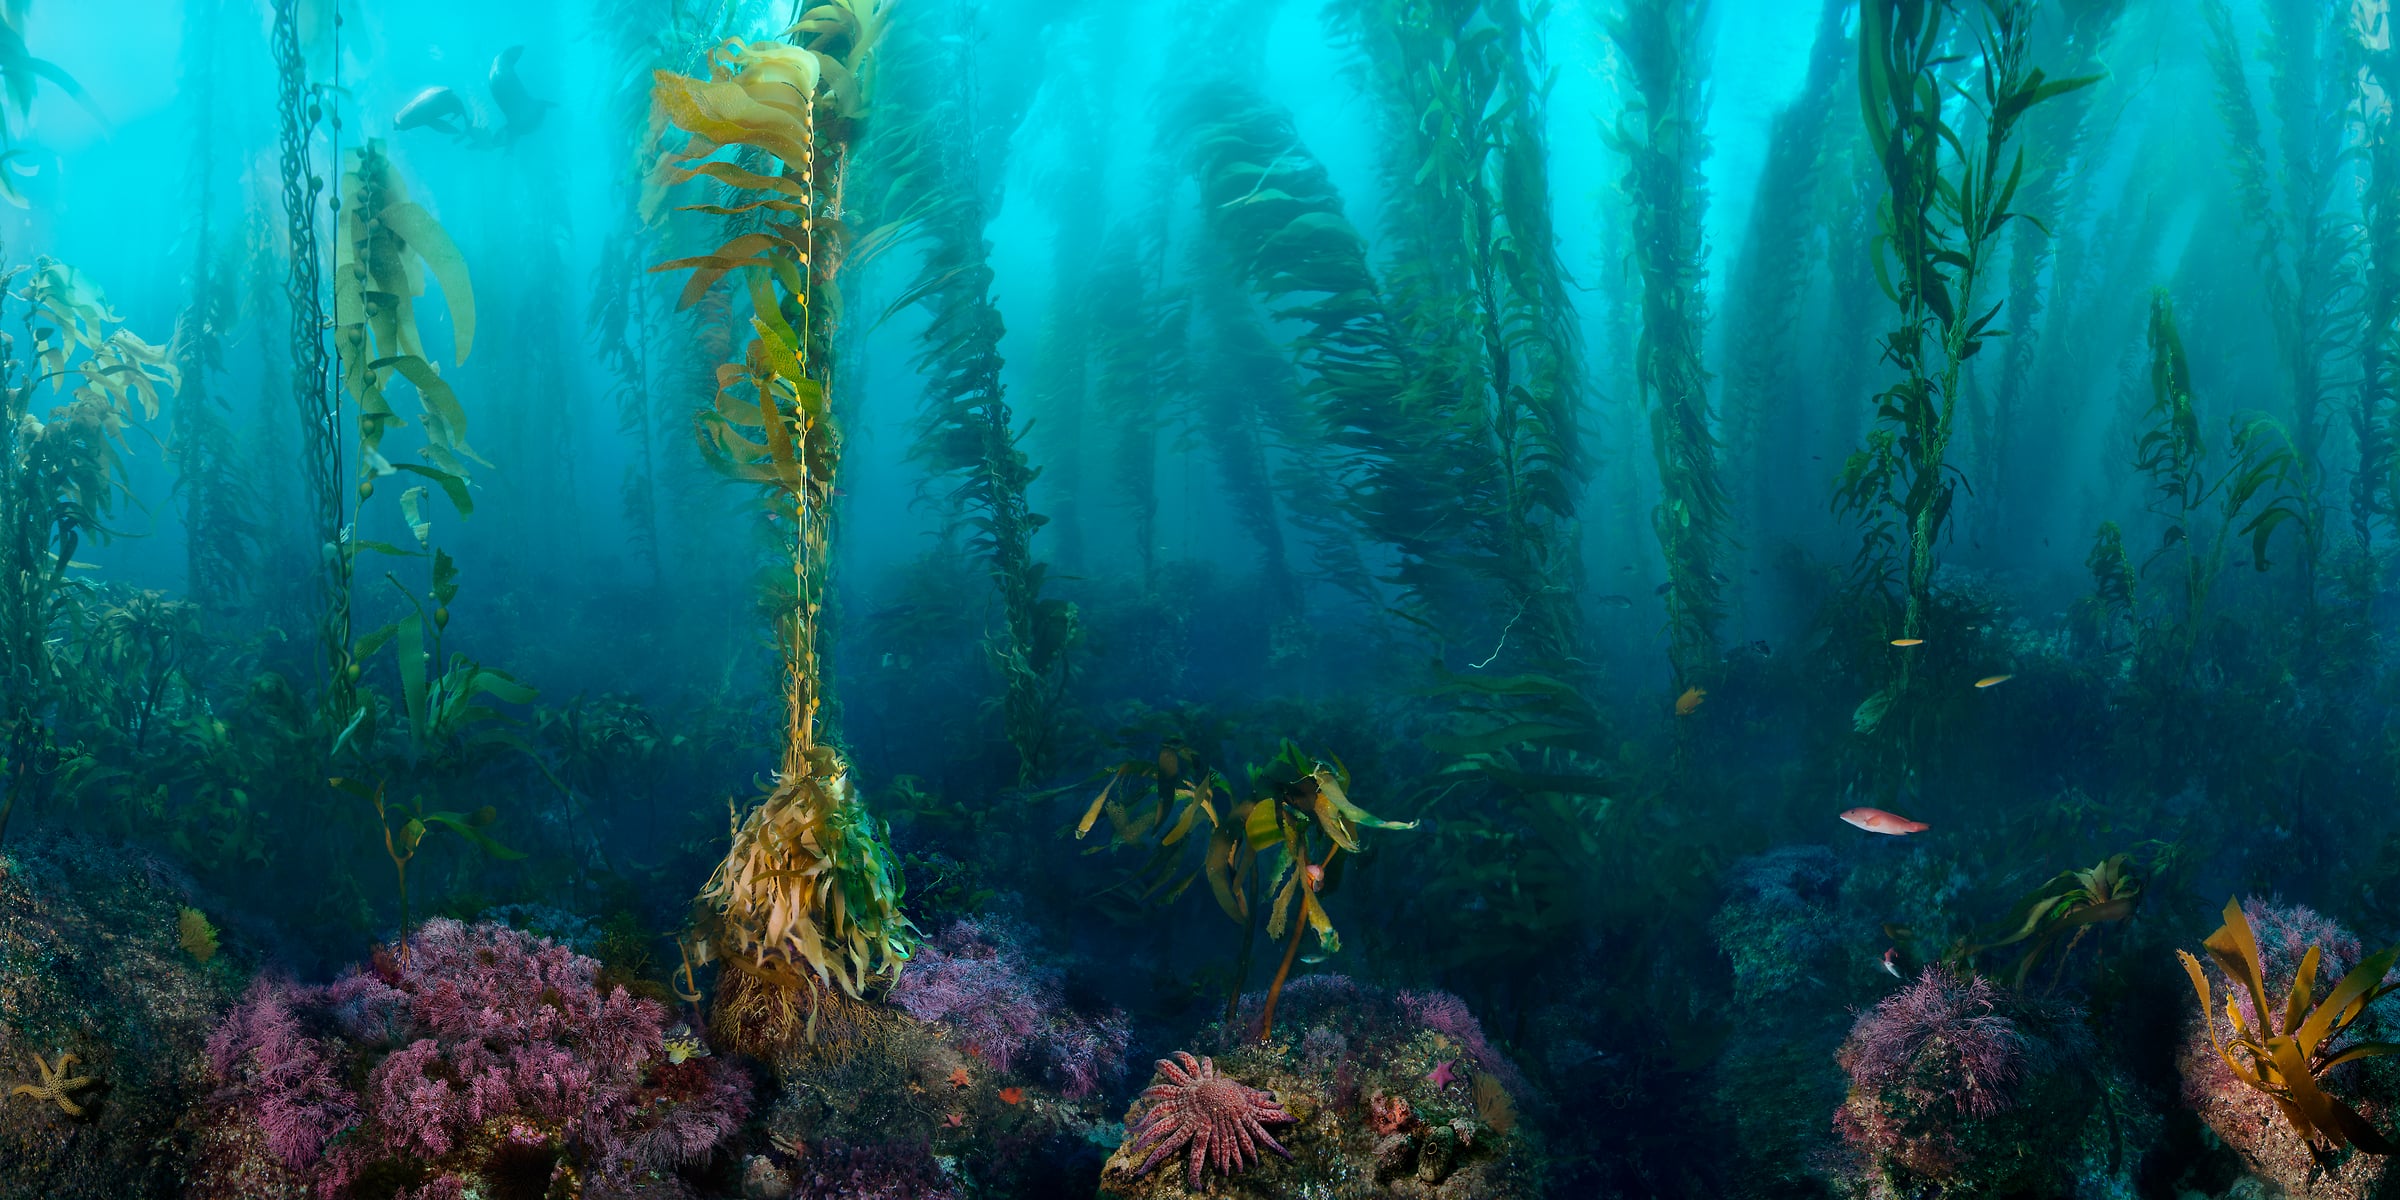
1875, 820
1908, 641
1992, 680
1689, 701
1012, 1095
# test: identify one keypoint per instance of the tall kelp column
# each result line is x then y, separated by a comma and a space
1950, 192
808, 896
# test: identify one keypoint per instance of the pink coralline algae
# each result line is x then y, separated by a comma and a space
978, 979
1222, 1120
485, 1042
1939, 1017
1448, 1015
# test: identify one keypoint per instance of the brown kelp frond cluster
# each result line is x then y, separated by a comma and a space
2285, 1051
807, 895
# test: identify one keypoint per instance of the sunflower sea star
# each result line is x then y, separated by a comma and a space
1223, 1120
55, 1085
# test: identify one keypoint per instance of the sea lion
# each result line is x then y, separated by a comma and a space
435, 108
520, 112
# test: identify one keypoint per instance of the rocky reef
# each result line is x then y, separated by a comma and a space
103, 1012
1389, 1094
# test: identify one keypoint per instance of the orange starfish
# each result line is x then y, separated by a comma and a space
55, 1084
958, 1078
1014, 1095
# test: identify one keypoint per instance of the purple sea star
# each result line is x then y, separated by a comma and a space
1442, 1076
1224, 1120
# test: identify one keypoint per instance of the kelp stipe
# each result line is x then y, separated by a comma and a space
807, 898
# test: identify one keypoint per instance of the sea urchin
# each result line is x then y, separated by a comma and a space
1223, 1120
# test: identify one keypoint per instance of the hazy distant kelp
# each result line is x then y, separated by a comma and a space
1661, 136
935, 188
2304, 244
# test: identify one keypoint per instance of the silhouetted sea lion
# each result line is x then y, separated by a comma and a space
520, 112
440, 108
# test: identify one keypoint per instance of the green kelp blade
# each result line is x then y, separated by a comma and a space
1330, 787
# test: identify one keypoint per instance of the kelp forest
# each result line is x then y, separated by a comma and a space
1144, 599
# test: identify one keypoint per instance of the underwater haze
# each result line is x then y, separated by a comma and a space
1145, 599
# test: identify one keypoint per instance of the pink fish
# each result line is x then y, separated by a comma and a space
1875, 820
1891, 961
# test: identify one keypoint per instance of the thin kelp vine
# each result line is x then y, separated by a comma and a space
807, 898
2256, 493
300, 109
1662, 135
967, 436
1949, 196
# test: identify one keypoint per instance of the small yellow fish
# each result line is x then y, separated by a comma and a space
1689, 701
1990, 680
1908, 641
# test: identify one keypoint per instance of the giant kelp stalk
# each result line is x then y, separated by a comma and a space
1949, 194
300, 109
807, 897
219, 533
1662, 136
967, 437
2304, 241
2056, 135
60, 473
1480, 305
1763, 378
